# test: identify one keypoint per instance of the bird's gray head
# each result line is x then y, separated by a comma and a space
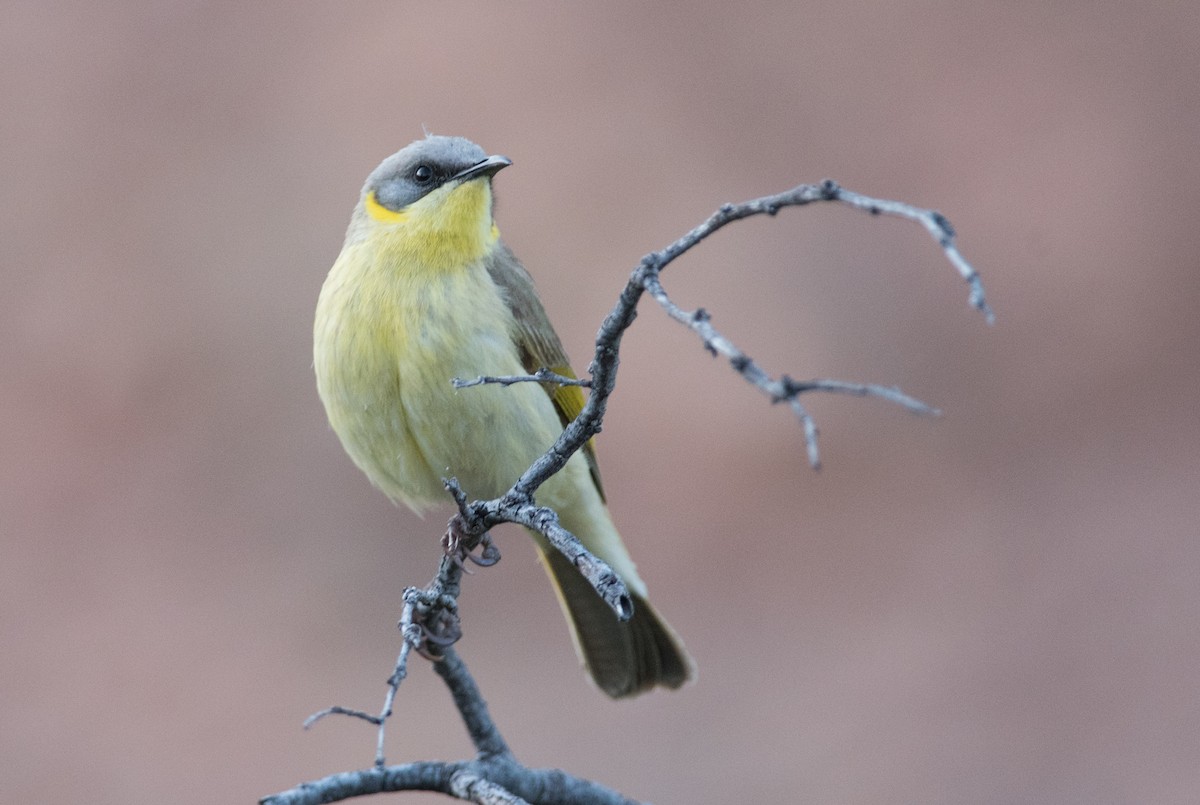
425, 165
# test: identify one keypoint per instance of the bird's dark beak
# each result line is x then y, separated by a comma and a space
487, 167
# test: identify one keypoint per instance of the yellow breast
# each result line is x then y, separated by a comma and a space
390, 334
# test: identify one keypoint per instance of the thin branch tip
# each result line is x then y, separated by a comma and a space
944, 223
339, 711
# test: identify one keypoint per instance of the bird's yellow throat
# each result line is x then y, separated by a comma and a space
448, 228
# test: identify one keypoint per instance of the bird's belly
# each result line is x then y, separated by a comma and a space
389, 397
485, 436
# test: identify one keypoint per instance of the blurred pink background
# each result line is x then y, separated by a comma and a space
1001, 605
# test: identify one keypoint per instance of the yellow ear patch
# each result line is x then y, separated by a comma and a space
382, 213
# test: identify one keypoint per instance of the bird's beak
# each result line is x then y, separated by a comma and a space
487, 167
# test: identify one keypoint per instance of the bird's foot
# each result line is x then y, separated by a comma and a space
440, 627
455, 540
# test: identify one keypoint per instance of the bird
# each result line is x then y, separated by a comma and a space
425, 291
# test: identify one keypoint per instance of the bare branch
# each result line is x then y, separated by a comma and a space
783, 389
889, 393
937, 224
337, 710
542, 375
474, 711
474, 788
535, 786
518, 507
412, 639
425, 776
604, 580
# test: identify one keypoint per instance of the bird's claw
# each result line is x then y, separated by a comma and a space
438, 629
488, 555
452, 540
454, 543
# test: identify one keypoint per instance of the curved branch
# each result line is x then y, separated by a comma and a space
461, 780
474, 711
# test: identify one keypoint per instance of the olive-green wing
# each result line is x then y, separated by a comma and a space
537, 342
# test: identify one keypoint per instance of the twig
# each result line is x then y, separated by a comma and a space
419, 605
607, 584
890, 393
338, 710
493, 777
939, 228
474, 711
784, 389
542, 375
518, 506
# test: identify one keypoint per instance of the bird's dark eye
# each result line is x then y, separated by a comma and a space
423, 174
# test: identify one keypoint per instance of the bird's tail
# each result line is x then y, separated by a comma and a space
624, 659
